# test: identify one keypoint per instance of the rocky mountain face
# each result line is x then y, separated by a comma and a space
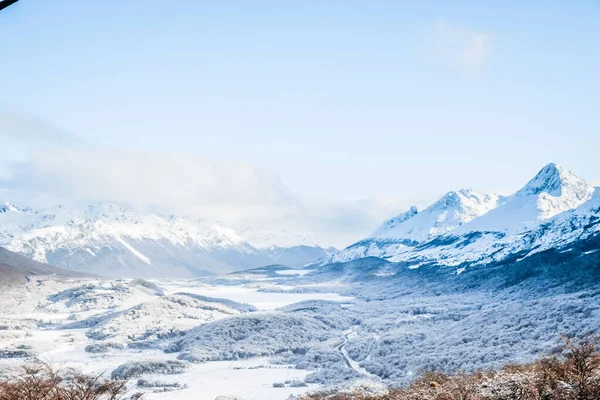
287, 247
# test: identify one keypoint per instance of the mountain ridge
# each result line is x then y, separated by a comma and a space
554, 200
16, 269
115, 240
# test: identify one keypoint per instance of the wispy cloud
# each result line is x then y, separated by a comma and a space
31, 128
57, 168
237, 193
459, 46
173, 181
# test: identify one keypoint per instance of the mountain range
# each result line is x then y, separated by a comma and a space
465, 228
113, 240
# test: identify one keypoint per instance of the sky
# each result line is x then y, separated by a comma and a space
323, 117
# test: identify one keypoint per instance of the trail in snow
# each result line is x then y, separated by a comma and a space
349, 361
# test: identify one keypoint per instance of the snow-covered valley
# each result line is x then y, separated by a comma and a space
273, 332
97, 326
472, 282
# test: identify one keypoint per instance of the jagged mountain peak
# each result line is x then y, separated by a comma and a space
554, 180
461, 198
11, 207
6, 207
414, 227
555, 205
553, 190
452, 210
395, 221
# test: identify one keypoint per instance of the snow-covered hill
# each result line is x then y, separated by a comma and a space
113, 240
15, 270
554, 208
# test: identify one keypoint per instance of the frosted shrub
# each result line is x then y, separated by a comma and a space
575, 375
40, 382
509, 386
137, 368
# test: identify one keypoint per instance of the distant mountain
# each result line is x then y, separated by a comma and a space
264, 239
286, 247
113, 240
554, 209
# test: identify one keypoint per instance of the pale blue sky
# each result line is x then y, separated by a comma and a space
338, 100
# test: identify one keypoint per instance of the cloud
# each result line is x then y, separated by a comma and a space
55, 167
459, 46
30, 128
151, 179
237, 193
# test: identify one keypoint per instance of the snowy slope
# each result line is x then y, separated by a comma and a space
113, 240
414, 227
554, 207
552, 191
445, 215
562, 231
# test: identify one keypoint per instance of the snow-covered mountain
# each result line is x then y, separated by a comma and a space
445, 215
552, 191
554, 208
113, 240
415, 227
462, 227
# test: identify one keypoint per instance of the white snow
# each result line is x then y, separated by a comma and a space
399, 234
552, 191
445, 215
464, 226
99, 222
247, 379
130, 248
118, 241
262, 300
253, 329
59, 319
300, 272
